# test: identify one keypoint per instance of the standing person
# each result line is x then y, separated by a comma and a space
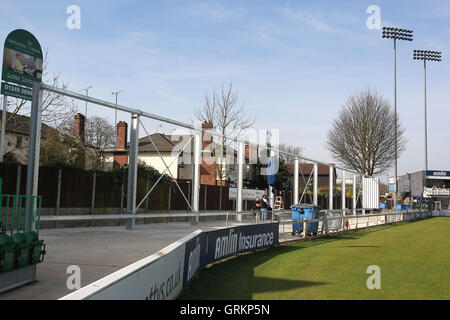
257, 208
264, 206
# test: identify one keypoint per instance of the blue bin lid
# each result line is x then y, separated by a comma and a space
304, 206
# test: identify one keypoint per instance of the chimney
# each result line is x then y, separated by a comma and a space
79, 126
206, 138
251, 154
120, 156
122, 135
208, 173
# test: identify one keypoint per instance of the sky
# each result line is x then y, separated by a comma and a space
292, 63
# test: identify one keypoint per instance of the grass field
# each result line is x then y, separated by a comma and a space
414, 259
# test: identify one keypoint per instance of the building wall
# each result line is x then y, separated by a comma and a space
156, 162
417, 183
21, 153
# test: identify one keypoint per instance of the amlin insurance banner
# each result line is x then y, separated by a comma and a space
163, 275
212, 246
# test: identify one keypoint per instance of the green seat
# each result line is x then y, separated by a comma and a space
23, 250
7, 253
37, 247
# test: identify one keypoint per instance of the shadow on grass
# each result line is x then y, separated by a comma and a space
235, 278
362, 246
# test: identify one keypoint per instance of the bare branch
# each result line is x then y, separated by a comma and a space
362, 137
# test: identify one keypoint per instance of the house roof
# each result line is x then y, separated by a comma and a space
307, 168
161, 141
20, 124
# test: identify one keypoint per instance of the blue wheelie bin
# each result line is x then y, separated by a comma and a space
297, 213
302, 212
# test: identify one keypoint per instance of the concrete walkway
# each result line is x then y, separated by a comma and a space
98, 252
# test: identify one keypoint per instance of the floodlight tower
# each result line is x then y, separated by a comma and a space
430, 56
406, 35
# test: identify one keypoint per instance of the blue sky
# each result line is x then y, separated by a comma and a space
293, 63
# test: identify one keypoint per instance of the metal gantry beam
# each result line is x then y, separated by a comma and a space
132, 170
133, 156
110, 105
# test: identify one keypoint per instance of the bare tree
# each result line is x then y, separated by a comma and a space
291, 149
222, 110
99, 132
362, 137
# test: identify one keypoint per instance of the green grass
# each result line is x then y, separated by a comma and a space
414, 259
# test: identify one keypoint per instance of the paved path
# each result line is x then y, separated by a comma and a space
98, 252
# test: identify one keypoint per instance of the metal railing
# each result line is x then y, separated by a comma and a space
349, 222
17, 213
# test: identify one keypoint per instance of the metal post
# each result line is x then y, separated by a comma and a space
205, 199
196, 173
132, 170
33, 153
3, 138
170, 197
94, 183
295, 181
425, 117
220, 197
354, 194
122, 188
305, 229
58, 192
18, 179
271, 198
146, 200
330, 193
240, 182
315, 183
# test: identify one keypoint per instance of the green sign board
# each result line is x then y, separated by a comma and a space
22, 59
12, 90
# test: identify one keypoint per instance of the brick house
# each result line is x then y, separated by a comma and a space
169, 146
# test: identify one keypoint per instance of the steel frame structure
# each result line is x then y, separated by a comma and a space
136, 114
